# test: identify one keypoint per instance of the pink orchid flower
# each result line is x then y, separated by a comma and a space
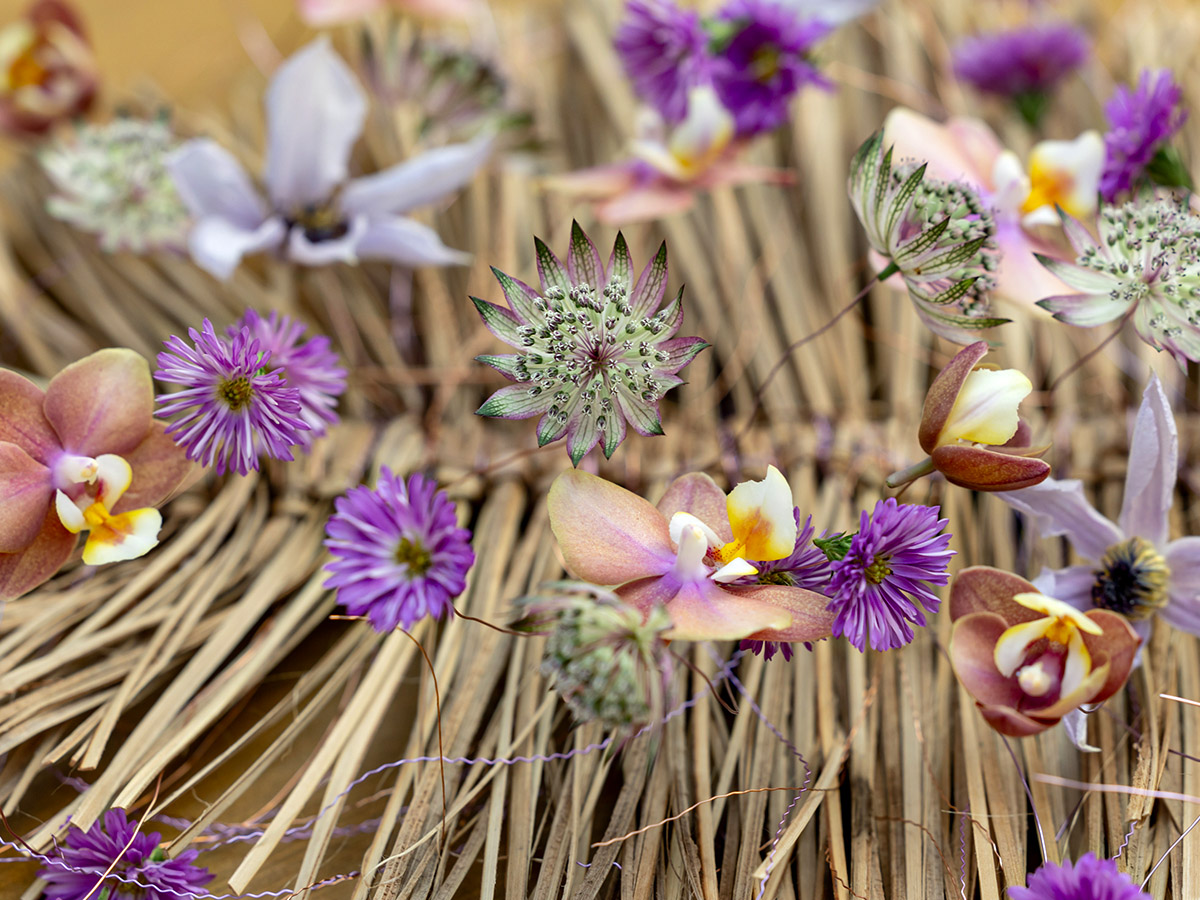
83, 455
320, 13
1029, 659
684, 554
666, 171
1061, 173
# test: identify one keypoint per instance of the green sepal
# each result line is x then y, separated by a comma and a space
835, 547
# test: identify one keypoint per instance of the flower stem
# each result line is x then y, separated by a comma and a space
1079, 363
912, 473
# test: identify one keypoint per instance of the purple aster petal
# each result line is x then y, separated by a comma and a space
1140, 122
399, 554
232, 408
765, 62
86, 855
310, 367
1027, 60
882, 586
1088, 878
665, 52
768, 649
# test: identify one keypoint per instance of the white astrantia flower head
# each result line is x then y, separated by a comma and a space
112, 180
315, 214
938, 235
1146, 265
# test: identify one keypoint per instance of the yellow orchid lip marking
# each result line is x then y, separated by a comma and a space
762, 518
111, 538
1063, 625
1049, 187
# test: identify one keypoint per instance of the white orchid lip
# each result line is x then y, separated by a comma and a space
695, 539
111, 538
1063, 627
695, 144
985, 410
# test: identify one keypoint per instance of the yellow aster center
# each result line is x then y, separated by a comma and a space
236, 393
878, 570
414, 555
764, 63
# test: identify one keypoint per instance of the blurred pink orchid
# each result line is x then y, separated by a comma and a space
83, 455
47, 70
321, 13
684, 554
666, 171
1061, 173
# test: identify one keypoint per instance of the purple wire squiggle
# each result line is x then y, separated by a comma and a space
964, 816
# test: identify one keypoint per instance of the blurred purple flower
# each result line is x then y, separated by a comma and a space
316, 215
665, 53
1029, 60
899, 552
311, 367
762, 61
399, 554
1088, 878
142, 872
1140, 122
235, 406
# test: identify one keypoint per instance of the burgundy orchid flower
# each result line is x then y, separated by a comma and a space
83, 455
971, 429
47, 70
1029, 659
686, 553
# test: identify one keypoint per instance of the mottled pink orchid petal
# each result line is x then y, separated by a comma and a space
159, 467
23, 571
972, 643
732, 172
703, 611
104, 403
811, 618
320, 13
1117, 645
607, 535
1153, 468
596, 183
986, 589
655, 201
25, 492
23, 419
699, 495
983, 469
1059, 507
961, 150
1021, 278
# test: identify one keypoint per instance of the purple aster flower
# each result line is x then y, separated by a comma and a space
312, 368
399, 553
807, 567
898, 553
144, 872
234, 408
763, 61
1140, 124
1029, 60
1088, 878
665, 52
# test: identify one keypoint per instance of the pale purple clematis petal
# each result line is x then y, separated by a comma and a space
316, 214
1132, 568
685, 554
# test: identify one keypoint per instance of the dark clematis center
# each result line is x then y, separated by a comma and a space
1132, 579
414, 555
320, 222
878, 570
236, 393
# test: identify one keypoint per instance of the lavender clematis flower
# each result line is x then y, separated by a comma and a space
315, 214
1132, 568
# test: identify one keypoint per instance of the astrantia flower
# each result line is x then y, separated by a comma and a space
1088, 878
1145, 265
1141, 122
399, 554
665, 53
937, 235
1029, 659
763, 60
83, 455
1023, 64
143, 871
806, 566
112, 180
311, 367
883, 582
235, 405
608, 661
598, 351
317, 215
